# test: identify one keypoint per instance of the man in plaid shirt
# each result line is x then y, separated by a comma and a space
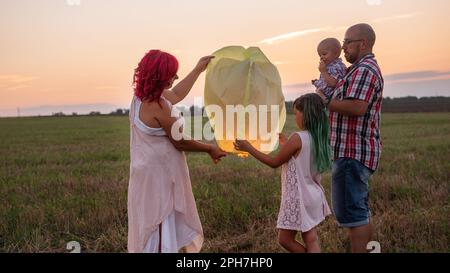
355, 109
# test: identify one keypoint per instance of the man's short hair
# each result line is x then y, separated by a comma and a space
365, 31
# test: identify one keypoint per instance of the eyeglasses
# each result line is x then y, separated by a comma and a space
348, 41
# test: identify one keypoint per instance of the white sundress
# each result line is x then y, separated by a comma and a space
303, 202
160, 198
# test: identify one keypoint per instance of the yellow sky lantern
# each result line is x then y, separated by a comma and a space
244, 99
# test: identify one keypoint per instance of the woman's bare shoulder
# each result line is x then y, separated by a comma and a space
157, 108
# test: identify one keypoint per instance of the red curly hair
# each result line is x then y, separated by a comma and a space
153, 75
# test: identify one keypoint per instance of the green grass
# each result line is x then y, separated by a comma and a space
64, 179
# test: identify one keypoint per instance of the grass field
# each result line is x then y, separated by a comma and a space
64, 179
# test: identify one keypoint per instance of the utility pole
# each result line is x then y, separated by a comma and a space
18, 112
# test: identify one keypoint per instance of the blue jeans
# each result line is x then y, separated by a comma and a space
350, 192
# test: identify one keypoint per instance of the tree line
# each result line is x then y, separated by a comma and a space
389, 105
405, 105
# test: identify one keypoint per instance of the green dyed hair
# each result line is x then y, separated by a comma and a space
315, 119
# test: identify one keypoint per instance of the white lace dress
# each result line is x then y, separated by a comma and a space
303, 202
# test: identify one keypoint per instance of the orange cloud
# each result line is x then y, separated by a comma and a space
396, 17
13, 82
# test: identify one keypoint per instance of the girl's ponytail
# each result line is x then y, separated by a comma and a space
315, 119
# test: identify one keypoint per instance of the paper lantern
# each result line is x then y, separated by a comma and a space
243, 99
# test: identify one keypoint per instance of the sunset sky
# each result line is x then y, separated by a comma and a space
77, 55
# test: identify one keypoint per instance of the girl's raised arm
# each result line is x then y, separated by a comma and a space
293, 145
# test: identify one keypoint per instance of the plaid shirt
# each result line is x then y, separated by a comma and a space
337, 70
359, 137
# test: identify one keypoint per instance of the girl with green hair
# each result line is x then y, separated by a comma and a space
303, 157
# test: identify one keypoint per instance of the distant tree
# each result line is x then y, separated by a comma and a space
195, 110
58, 114
120, 112
289, 107
94, 113
74, 114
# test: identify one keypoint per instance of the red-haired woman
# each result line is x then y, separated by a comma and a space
162, 214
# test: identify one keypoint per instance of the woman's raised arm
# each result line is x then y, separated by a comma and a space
180, 91
174, 131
